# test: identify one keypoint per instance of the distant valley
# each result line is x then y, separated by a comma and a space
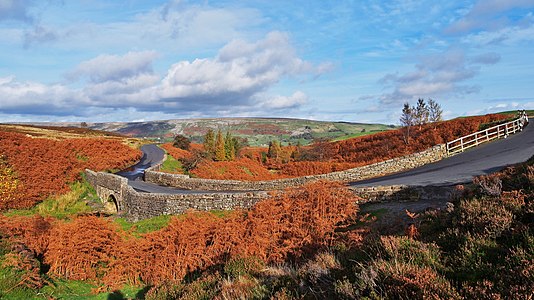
258, 131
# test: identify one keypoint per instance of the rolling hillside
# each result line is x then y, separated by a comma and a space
258, 131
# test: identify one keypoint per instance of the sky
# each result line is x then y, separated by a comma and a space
357, 61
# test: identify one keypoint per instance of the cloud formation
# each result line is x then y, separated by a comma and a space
487, 15
115, 67
39, 99
434, 75
285, 102
240, 71
15, 10
238, 77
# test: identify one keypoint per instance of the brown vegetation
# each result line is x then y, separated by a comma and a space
325, 157
43, 167
288, 226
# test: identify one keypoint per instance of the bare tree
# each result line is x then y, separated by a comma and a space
421, 113
435, 111
407, 121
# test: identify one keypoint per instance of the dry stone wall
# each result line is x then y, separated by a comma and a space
403, 193
411, 161
143, 205
234, 194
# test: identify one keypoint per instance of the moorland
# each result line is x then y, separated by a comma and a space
312, 242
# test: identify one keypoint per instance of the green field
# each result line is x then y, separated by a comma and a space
529, 112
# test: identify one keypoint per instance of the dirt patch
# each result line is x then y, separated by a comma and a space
392, 218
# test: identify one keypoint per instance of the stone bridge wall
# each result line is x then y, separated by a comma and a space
407, 162
136, 206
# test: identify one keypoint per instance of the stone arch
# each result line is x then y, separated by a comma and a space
111, 205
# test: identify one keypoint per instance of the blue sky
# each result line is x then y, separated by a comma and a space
94, 61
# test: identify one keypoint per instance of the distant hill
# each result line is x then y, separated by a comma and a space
258, 131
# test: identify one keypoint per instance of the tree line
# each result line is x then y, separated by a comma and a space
216, 146
423, 113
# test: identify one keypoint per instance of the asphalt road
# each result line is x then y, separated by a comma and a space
152, 154
484, 159
457, 169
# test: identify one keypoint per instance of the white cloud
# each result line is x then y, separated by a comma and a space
434, 75
37, 98
236, 80
508, 36
115, 67
239, 71
503, 106
173, 27
284, 102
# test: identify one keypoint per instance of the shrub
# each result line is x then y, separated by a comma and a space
203, 288
474, 259
10, 187
290, 225
241, 288
400, 280
243, 266
484, 217
490, 185
83, 249
181, 142
241, 169
410, 251
318, 271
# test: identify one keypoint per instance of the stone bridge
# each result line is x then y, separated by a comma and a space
119, 197
110, 188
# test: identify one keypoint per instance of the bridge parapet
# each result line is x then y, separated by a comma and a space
109, 188
135, 205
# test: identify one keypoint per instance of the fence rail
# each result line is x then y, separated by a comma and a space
486, 135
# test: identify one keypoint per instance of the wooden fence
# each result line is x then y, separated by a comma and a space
486, 135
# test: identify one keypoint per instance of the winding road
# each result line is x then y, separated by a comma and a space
152, 154
461, 168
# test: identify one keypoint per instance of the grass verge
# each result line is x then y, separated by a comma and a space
144, 226
76, 201
171, 165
